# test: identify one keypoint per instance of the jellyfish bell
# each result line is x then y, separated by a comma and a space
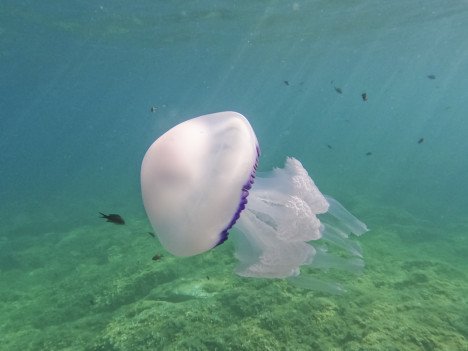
195, 179
197, 182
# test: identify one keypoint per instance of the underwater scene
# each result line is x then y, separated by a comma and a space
362, 103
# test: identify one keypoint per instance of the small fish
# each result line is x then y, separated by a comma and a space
329, 146
431, 76
364, 96
420, 141
113, 218
338, 90
368, 153
157, 257
286, 82
152, 234
153, 109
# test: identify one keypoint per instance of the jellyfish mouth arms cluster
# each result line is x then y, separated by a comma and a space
197, 182
285, 215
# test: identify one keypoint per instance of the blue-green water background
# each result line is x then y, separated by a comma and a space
77, 83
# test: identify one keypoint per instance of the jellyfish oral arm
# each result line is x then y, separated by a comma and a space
284, 215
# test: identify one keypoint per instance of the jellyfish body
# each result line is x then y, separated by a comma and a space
197, 182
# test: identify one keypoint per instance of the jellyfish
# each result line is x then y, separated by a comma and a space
200, 179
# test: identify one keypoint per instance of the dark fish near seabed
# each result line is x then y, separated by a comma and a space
113, 218
157, 257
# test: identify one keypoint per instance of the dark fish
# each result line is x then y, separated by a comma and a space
157, 257
286, 82
329, 146
431, 76
113, 218
364, 96
368, 153
152, 234
153, 109
420, 140
338, 90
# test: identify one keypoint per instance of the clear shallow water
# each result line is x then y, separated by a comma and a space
77, 86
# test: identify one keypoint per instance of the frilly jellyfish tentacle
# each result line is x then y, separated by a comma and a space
339, 223
279, 221
308, 282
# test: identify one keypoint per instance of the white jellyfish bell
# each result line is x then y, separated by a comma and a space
199, 179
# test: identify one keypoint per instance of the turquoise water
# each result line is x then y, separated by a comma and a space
77, 85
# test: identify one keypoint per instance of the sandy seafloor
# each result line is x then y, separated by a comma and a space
77, 84
60, 294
